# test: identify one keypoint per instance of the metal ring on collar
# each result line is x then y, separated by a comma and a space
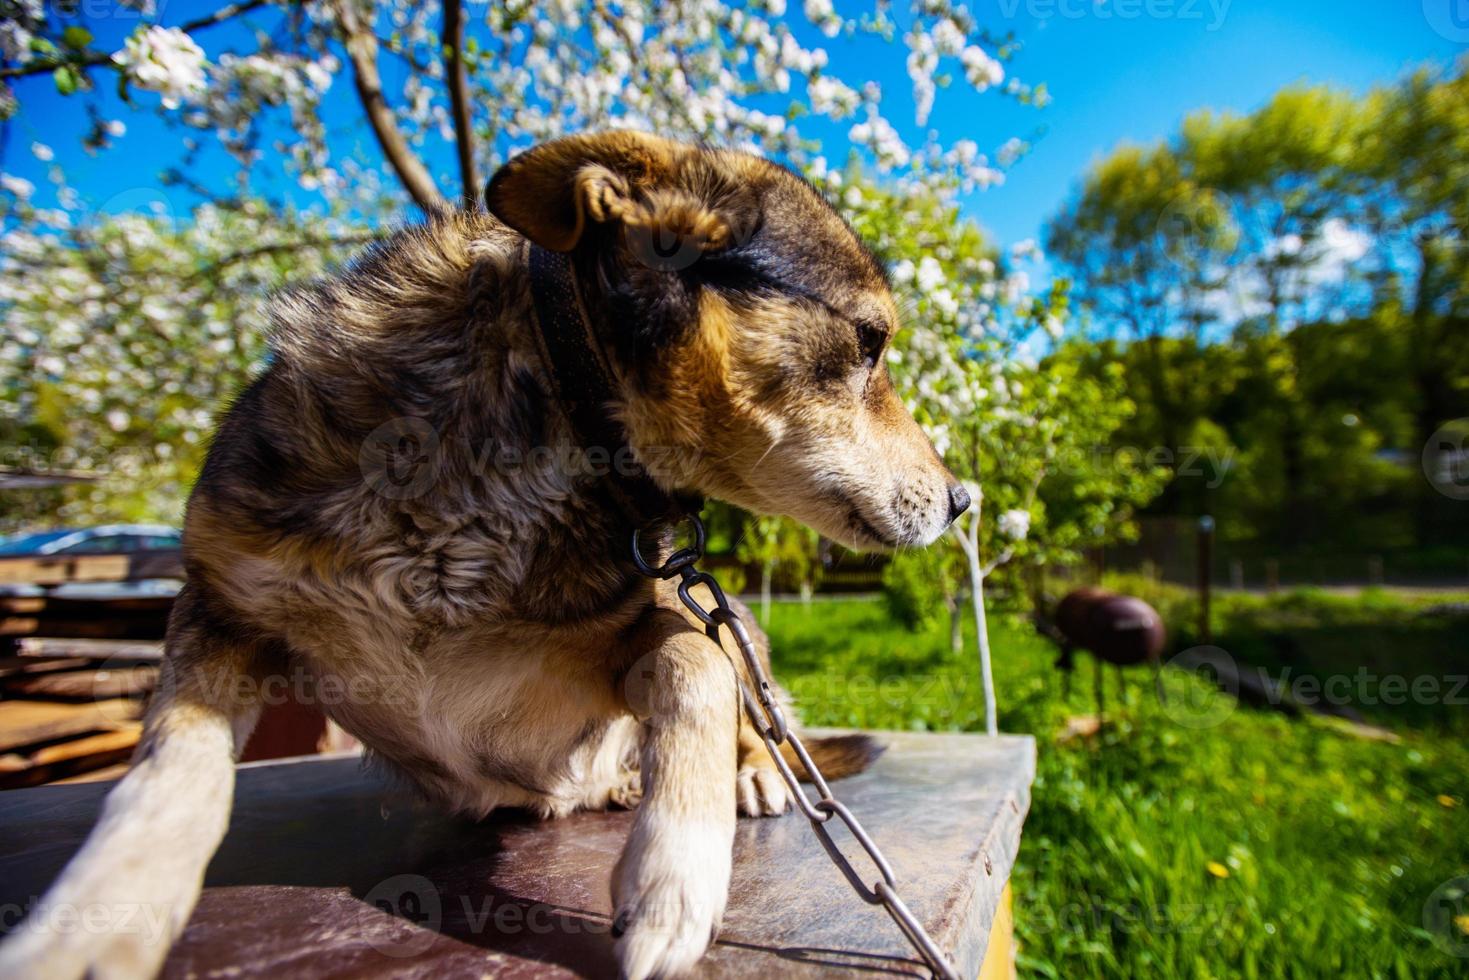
679, 560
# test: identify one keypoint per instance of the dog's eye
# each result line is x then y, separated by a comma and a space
870, 338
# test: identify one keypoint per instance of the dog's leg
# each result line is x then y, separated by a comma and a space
759, 787
127, 894
671, 883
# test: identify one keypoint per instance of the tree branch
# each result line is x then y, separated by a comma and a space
93, 59
458, 81
278, 248
395, 47
361, 45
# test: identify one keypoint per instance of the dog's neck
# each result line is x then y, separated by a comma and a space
583, 382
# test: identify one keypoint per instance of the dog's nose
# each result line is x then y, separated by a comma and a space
958, 501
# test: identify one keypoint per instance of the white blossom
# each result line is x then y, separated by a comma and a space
833, 97
1015, 524
18, 186
1025, 249
930, 274
164, 60
980, 70
824, 16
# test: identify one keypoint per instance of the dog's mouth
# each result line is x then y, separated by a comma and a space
864, 529
863, 533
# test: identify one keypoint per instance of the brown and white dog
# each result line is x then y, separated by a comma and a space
482, 603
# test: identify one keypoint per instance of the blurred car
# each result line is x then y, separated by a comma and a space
107, 539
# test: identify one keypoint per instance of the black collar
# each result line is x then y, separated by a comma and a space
586, 390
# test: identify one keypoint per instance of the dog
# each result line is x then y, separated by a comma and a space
389, 508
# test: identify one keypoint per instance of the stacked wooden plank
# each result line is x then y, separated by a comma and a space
124, 618
68, 711
75, 671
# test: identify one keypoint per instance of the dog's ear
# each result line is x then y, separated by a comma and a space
552, 192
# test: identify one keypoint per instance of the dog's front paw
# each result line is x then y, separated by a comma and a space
761, 792
666, 929
670, 898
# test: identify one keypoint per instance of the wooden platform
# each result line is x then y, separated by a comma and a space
328, 869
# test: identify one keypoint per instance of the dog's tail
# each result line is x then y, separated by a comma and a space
835, 755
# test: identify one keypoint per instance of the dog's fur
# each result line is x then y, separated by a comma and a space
495, 644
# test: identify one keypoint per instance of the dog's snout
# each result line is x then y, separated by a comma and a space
958, 501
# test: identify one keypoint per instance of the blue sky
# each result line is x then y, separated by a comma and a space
1116, 80
1122, 70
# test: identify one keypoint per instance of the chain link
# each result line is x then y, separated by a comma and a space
765, 713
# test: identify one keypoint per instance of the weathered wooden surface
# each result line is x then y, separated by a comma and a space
318, 849
110, 651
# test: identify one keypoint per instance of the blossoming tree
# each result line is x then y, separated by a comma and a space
127, 330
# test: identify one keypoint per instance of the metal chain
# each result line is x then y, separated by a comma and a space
765, 714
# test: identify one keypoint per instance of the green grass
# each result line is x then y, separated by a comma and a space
1331, 843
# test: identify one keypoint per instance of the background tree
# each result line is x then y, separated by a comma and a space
1290, 283
1046, 486
1418, 218
1143, 247
125, 334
